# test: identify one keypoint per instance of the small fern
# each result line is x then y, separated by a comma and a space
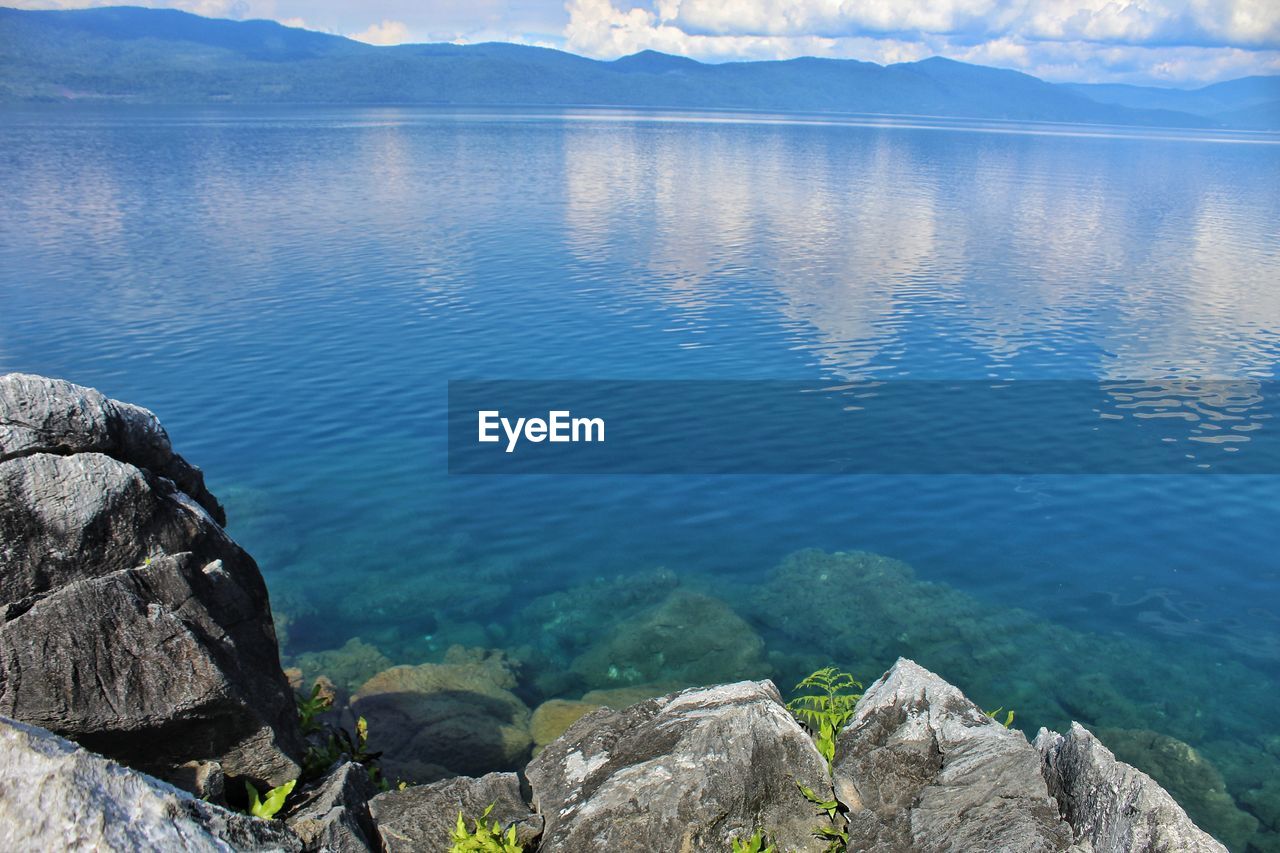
827, 707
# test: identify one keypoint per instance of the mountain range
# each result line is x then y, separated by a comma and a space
167, 56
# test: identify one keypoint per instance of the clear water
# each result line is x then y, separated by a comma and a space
290, 290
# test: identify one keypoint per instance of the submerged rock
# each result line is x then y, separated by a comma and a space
129, 620
422, 819
688, 638
349, 666
57, 796
553, 718
920, 767
689, 771
1112, 806
442, 719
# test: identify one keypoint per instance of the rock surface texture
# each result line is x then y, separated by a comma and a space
1113, 807
690, 771
920, 767
129, 620
334, 814
57, 796
422, 819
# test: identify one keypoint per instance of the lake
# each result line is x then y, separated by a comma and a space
291, 290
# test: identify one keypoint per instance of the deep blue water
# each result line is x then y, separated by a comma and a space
291, 290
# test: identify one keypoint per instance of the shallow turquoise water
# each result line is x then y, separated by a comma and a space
291, 290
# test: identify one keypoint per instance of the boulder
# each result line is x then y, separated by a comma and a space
921, 767
444, 719
553, 718
1112, 806
689, 771
57, 796
422, 819
42, 415
333, 814
689, 638
129, 620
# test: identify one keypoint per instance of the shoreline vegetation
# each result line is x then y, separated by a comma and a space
163, 56
135, 626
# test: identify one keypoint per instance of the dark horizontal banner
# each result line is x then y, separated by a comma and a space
885, 427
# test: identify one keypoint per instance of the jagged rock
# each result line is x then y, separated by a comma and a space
1110, 805
688, 637
129, 621
57, 796
333, 815
422, 819
1189, 777
436, 720
689, 771
42, 415
920, 767
204, 779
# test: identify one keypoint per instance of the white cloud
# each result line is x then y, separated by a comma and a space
1171, 41
384, 33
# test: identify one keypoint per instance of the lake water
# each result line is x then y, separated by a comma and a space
291, 290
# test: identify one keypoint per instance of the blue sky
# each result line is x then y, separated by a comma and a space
1165, 42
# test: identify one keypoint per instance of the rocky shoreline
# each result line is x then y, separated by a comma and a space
133, 626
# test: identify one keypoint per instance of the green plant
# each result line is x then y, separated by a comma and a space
272, 802
309, 709
485, 838
833, 831
757, 843
320, 757
831, 807
825, 710
1008, 720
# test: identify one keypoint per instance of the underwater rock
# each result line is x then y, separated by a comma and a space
1187, 775
57, 796
553, 718
422, 819
440, 719
619, 698
565, 623
109, 567
349, 666
333, 815
688, 638
1110, 805
920, 767
689, 771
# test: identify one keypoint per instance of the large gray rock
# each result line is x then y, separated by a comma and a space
689, 771
129, 620
1112, 806
57, 796
42, 415
920, 767
422, 819
333, 815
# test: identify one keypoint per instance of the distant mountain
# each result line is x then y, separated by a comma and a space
1249, 102
167, 56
